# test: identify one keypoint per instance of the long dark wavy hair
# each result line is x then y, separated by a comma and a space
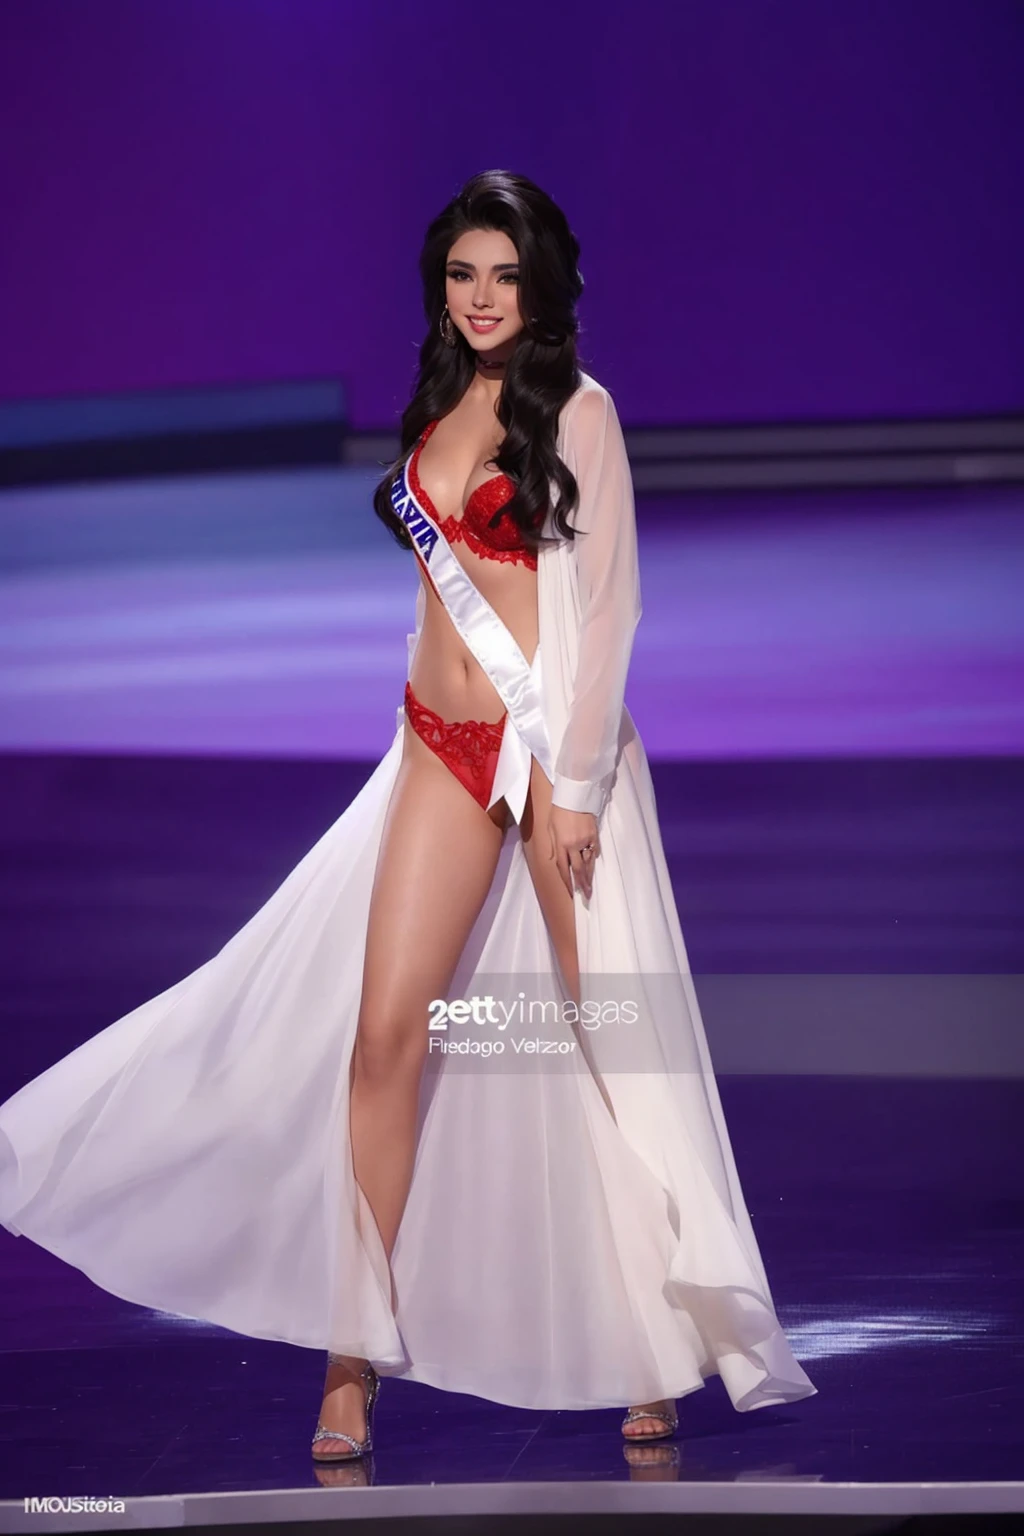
543, 371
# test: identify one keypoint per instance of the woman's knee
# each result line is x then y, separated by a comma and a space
390, 1046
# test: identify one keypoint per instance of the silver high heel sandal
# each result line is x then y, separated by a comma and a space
667, 1416
357, 1447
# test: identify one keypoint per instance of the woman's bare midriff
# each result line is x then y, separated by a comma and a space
445, 675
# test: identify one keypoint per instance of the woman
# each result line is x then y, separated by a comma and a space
338, 1131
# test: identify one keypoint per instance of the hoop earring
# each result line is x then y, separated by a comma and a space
447, 329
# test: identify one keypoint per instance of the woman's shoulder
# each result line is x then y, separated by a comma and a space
587, 417
590, 403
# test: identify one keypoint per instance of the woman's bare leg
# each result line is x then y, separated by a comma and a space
555, 901
557, 907
436, 862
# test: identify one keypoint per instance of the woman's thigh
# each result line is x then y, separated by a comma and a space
437, 858
555, 902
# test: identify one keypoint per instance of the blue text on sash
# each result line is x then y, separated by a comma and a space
404, 504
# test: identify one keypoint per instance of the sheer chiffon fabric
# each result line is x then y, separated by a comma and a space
562, 1247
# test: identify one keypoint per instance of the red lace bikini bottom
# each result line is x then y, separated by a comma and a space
470, 748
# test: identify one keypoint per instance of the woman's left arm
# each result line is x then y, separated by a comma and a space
609, 585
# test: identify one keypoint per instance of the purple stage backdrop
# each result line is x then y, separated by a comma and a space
788, 208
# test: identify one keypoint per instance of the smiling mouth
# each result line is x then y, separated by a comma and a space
485, 325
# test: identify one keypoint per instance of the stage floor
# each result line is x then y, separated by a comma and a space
900, 1294
890, 1209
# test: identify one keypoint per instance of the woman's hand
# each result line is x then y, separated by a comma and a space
574, 847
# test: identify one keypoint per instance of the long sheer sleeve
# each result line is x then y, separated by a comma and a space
609, 586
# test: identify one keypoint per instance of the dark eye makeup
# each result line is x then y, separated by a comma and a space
510, 276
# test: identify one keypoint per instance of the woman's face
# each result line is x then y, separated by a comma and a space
482, 285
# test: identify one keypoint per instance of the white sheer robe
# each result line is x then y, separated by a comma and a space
608, 581
572, 1239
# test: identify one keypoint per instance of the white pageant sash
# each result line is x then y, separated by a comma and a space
491, 642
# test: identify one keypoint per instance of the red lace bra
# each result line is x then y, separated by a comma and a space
503, 540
